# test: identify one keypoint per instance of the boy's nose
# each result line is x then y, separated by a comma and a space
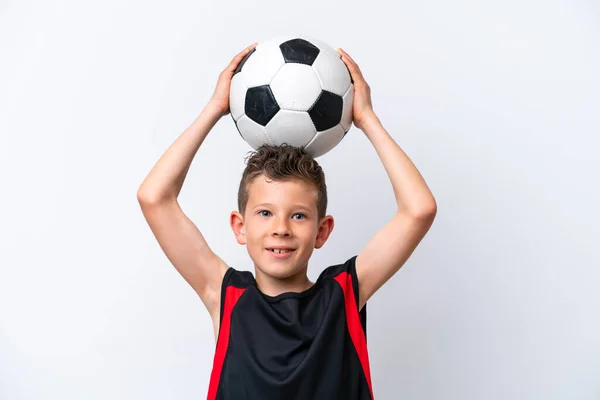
281, 227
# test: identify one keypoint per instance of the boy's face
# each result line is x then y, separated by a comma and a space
281, 214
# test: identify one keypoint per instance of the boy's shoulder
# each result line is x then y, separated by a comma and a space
238, 278
333, 271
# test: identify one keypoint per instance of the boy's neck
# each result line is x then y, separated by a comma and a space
272, 286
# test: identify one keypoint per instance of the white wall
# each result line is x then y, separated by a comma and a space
496, 103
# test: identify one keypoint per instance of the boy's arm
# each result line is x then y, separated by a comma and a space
391, 246
181, 241
179, 238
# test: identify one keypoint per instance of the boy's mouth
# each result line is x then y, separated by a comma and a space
280, 250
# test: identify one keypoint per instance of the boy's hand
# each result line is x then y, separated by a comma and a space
220, 98
362, 108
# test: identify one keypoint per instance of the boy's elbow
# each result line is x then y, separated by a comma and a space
427, 211
142, 196
432, 210
145, 197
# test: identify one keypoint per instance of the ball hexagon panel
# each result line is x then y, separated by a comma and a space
253, 133
332, 73
299, 51
260, 68
237, 96
346, 121
292, 127
325, 141
260, 105
296, 87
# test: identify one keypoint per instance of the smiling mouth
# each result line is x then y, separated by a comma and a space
281, 251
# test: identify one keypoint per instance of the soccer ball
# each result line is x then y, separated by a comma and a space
293, 90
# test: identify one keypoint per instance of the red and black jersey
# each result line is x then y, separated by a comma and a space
294, 346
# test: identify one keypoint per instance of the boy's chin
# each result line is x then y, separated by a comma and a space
278, 268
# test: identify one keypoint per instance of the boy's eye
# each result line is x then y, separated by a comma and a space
266, 213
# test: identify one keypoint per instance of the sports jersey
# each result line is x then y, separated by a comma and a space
309, 345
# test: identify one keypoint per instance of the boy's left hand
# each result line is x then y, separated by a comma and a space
362, 108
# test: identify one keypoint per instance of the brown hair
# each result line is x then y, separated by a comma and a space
281, 163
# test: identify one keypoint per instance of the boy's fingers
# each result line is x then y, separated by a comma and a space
236, 60
243, 53
352, 66
347, 56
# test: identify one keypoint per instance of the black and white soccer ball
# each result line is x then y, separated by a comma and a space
293, 90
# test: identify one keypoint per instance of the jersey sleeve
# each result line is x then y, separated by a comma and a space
346, 276
351, 268
233, 279
224, 284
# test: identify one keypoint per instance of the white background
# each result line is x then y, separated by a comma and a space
497, 103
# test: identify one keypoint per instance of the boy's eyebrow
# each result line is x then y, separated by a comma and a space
297, 205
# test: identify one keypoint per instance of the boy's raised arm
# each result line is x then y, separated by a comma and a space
392, 245
179, 238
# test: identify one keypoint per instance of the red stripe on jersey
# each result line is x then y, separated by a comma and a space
232, 295
354, 326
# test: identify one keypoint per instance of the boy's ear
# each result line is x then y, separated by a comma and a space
236, 220
325, 228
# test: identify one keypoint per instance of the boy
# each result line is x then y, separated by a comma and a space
279, 335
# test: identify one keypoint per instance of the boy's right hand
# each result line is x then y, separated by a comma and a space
220, 98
